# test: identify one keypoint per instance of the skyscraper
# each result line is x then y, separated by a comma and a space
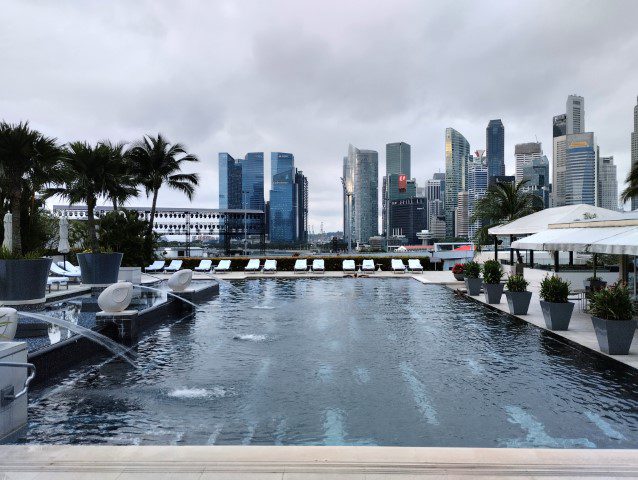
301, 206
397, 163
230, 182
536, 174
524, 153
397, 158
396, 186
634, 151
607, 183
559, 125
575, 109
361, 178
580, 169
462, 220
283, 222
409, 217
476, 188
495, 145
252, 181
457, 154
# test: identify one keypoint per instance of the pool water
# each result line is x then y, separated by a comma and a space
345, 362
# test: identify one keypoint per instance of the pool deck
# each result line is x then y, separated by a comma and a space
325, 463
581, 330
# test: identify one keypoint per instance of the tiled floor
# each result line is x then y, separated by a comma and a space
320, 463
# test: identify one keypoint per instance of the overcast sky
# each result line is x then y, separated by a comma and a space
310, 77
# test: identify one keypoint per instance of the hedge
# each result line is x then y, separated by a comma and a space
286, 264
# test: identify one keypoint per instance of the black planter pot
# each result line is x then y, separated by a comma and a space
493, 292
518, 302
473, 285
614, 336
557, 315
99, 268
24, 281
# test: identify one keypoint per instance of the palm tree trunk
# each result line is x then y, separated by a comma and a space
16, 213
90, 210
114, 204
152, 217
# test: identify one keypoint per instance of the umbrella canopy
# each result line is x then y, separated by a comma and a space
8, 232
63, 244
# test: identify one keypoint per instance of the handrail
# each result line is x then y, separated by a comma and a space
30, 377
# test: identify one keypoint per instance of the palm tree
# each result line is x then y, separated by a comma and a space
121, 181
158, 162
28, 161
503, 203
631, 190
86, 174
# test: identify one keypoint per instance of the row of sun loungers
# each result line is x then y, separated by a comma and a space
396, 265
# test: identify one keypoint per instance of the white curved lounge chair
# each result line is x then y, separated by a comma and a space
414, 265
348, 266
69, 267
174, 266
156, 266
57, 270
301, 266
398, 266
367, 266
318, 266
223, 266
270, 266
204, 266
253, 265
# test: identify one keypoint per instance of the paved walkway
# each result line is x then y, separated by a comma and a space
580, 331
317, 463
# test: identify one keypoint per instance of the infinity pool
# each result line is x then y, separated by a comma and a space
345, 362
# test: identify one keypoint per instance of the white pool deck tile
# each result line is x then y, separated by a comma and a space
320, 463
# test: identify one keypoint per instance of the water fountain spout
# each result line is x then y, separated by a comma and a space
113, 347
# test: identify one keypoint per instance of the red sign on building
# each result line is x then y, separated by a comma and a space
403, 183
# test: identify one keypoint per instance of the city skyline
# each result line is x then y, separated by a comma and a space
269, 83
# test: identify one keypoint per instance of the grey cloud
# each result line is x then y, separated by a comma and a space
311, 77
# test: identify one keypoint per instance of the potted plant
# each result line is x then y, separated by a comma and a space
28, 161
473, 281
457, 271
518, 297
594, 283
557, 310
612, 315
492, 286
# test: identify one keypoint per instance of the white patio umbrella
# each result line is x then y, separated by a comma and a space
8, 231
63, 244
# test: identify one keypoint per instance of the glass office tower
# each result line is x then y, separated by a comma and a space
580, 171
495, 146
457, 155
230, 182
252, 181
283, 221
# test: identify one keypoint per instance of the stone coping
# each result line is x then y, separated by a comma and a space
288, 462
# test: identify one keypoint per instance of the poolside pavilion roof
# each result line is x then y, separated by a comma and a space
618, 237
540, 221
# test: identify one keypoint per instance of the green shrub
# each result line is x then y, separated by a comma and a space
492, 272
612, 303
554, 289
8, 255
472, 270
123, 231
516, 283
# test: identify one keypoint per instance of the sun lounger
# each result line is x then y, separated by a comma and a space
367, 266
398, 266
204, 266
270, 266
253, 265
174, 266
348, 266
57, 270
59, 281
318, 266
301, 266
156, 266
69, 267
414, 265
223, 266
